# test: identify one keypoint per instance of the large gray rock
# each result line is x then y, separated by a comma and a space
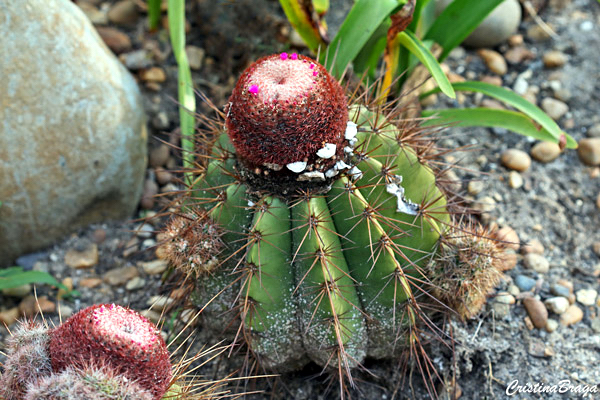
72, 127
496, 27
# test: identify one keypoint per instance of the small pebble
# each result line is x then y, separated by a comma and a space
554, 108
598, 201
594, 131
571, 316
195, 56
90, 282
536, 311
554, 59
135, 283
560, 290
9, 316
533, 246
131, 247
144, 230
596, 248
505, 298
120, 276
485, 204
521, 86
545, 151
99, 236
551, 325
596, 325
159, 302
475, 187
515, 180
514, 289
494, 61
516, 160
537, 348
31, 307
518, 54
116, 40
515, 40
155, 267
161, 121
491, 79
159, 155
509, 259
96, 16
537, 34
17, 291
86, 257
524, 283
123, 12
163, 176
137, 59
536, 262
153, 74
587, 297
510, 236
148, 195
557, 305
589, 151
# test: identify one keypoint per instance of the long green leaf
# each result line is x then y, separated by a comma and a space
487, 117
369, 56
186, 97
302, 23
416, 47
514, 100
153, 13
457, 21
18, 277
362, 20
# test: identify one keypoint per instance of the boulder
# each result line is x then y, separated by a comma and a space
72, 131
502, 22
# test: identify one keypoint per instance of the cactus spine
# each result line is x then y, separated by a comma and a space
334, 225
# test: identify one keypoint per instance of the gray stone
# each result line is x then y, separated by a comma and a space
497, 27
72, 138
524, 283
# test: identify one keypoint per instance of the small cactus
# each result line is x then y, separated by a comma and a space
103, 352
117, 337
90, 383
334, 227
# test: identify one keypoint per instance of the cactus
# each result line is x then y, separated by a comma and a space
91, 383
103, 352
27, 360
117, 337
334, 230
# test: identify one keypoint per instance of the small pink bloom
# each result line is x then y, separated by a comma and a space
253, 89
315, 73
283, 56
312, 66
294, 56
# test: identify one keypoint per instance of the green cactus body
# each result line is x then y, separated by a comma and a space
328, 253
325, 277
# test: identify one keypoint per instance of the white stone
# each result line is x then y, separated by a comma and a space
355, 173
327, 151
557, 305
312, 176
297, 166
351, 130
340, 165
587, 297
402, 205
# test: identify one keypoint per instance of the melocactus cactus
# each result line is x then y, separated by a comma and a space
334, 229
118, 338
103, 352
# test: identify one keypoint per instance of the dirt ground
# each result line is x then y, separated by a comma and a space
556, 205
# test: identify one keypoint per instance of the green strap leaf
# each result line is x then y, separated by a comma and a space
492, 118
362, 20
153, 14
416, 47
15, 276
514, 100
186, 97
457, 21
297, 14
